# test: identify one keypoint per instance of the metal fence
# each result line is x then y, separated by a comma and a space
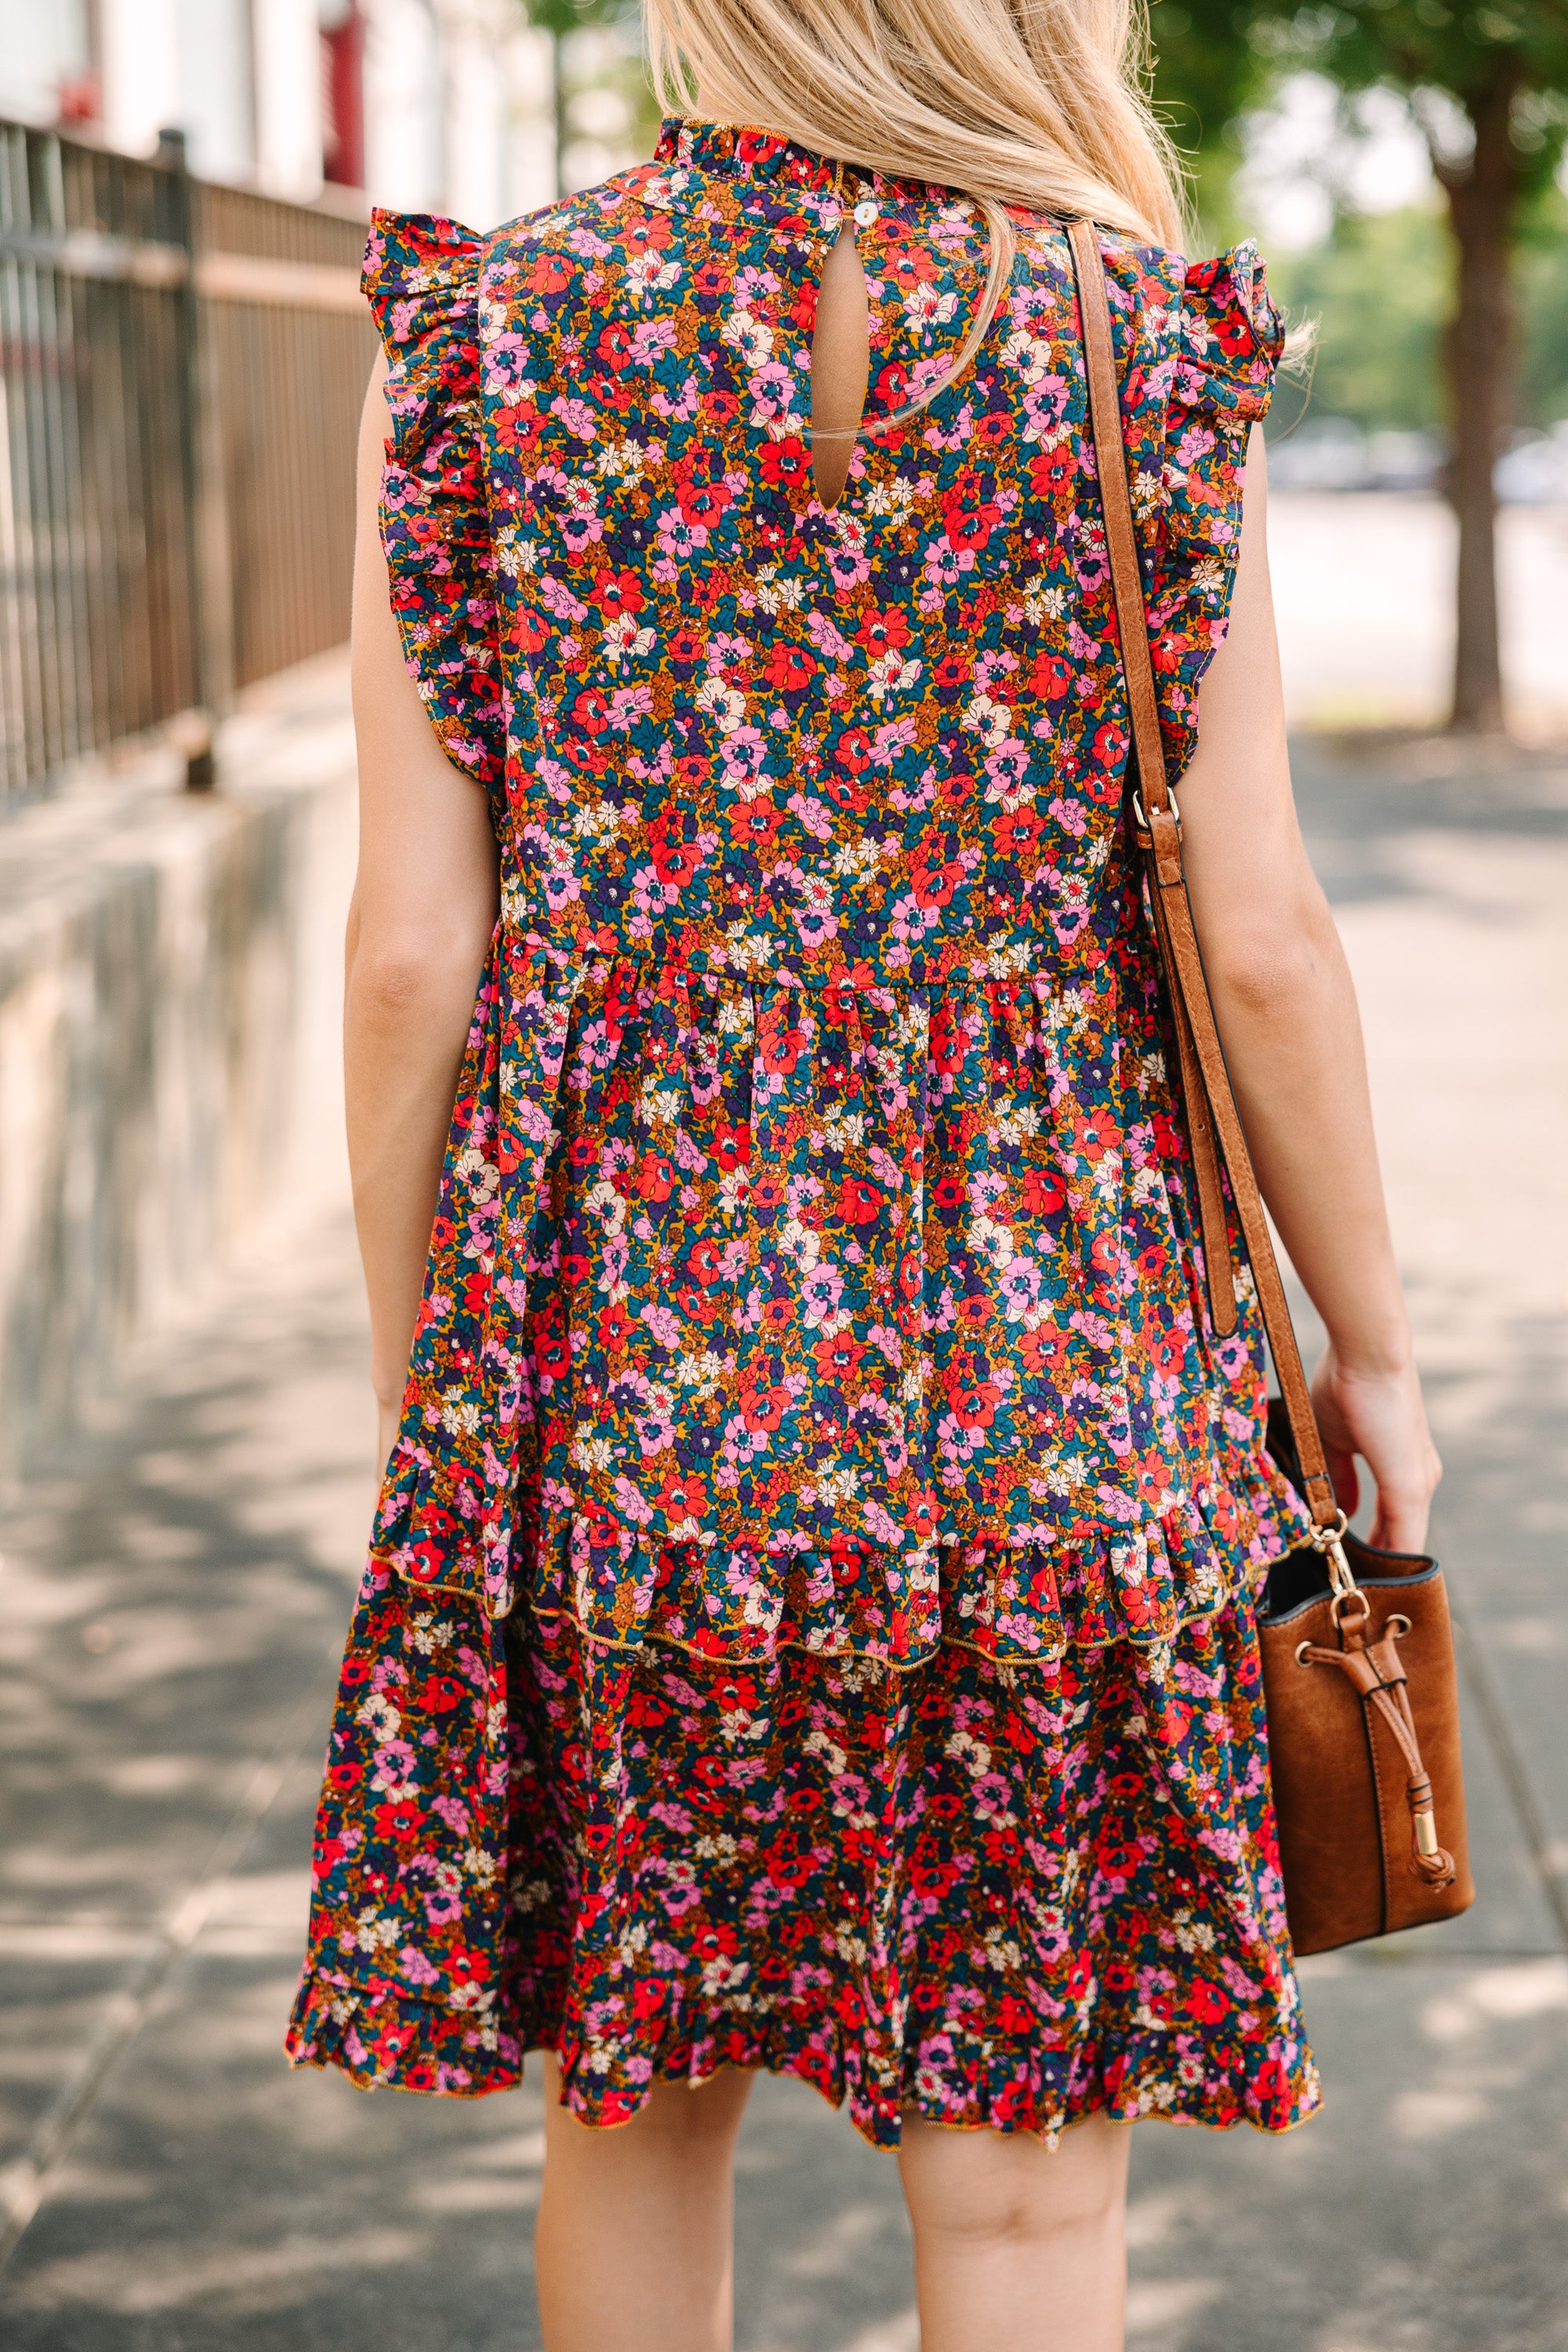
181, 372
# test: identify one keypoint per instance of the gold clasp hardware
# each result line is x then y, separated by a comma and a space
1425, 1825
1142, 819
1329, 1541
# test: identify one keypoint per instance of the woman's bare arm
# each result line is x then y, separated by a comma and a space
1286, 1007
420, 921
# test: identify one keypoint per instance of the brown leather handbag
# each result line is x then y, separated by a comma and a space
1358, 1651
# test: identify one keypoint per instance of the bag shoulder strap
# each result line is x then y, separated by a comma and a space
1212, 1114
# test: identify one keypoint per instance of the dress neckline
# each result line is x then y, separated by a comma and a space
768, 162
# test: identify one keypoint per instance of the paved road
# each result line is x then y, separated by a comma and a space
173, 1610
1364, 586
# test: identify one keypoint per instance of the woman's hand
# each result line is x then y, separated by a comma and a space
1380, 1416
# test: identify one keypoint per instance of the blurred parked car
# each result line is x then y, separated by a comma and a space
1326, 453
1332, 453
1534, 473
1405, 461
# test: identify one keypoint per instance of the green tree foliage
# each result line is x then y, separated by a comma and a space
1489, 81
1476, 51
561, 20
1206, 70
1380, 290
1542, 280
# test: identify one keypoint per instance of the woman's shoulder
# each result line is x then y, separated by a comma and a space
414, 256
1209, 329
578, 226
428, 279
423, 254
1224, 299
1227, 311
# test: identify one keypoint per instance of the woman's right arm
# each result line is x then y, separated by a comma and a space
424, 909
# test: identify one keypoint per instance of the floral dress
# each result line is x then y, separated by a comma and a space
809, 1621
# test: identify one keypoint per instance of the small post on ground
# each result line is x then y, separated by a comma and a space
201, 771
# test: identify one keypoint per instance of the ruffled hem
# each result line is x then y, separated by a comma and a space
1020, 1603
385, 2039
713, 1256
1003, 1899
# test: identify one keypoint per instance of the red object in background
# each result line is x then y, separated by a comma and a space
343, 94
78, 100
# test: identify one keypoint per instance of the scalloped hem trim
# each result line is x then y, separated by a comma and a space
323, 2033
1024, 1597
1026, 1661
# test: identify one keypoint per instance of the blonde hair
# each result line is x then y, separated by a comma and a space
1034, 103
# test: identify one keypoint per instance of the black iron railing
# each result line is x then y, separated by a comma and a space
181, 372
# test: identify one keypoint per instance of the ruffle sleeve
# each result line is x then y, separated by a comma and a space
421, 280
1227, 352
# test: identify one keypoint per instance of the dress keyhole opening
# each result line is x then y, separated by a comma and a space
840, 367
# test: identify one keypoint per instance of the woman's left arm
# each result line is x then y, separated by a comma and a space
1286, 1008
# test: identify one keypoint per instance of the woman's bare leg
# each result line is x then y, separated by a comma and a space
1018, 2247
634, 2245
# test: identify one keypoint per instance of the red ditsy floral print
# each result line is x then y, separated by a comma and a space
809, 1621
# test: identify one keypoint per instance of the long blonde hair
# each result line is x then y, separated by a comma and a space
1035, 103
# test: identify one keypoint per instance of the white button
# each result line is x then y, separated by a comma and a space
865, 214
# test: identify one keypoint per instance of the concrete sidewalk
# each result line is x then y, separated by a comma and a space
173, 1610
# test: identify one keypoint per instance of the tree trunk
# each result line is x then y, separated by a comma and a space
1479, 353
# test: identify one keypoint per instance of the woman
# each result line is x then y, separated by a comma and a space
809, 1623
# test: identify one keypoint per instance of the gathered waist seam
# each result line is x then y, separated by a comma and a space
976, 969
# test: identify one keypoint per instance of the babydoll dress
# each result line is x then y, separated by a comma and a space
809, 1620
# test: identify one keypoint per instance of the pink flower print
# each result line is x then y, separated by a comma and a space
820, 1291
663, 1323
650, 339
506, 359
580, 420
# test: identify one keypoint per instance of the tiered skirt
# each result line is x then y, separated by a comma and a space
810, 1621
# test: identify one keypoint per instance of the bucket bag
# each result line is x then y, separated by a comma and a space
1357, 1647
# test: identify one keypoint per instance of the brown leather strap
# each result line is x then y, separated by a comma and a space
1210, 1103
1122, 543
1217, 1274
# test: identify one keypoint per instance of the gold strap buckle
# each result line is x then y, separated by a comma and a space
1138, 811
